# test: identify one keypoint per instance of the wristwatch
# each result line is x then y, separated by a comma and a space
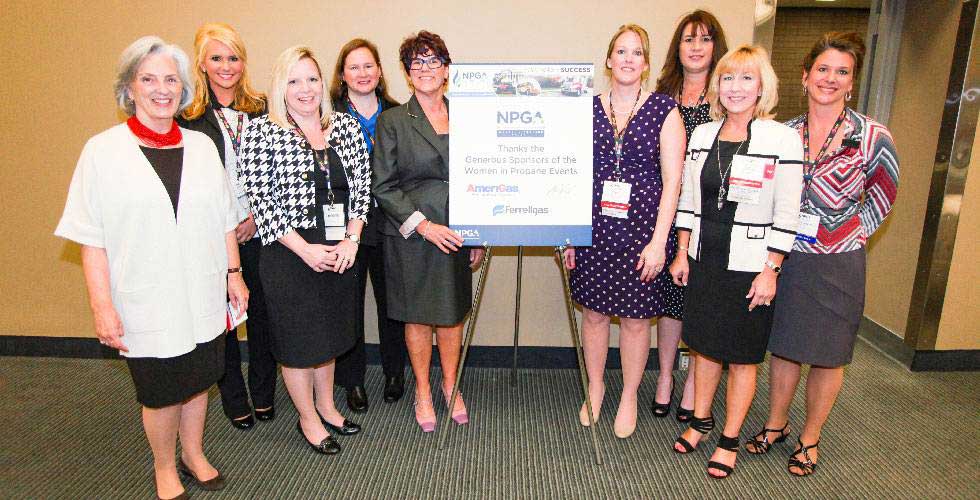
232, 270
353, 237
772, 265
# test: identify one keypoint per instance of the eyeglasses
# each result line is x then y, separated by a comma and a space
433, 62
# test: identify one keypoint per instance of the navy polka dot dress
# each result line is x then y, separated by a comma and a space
605, 278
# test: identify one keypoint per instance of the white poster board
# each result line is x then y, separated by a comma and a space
520, 153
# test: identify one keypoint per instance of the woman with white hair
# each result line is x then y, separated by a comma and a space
305, 170
159, 254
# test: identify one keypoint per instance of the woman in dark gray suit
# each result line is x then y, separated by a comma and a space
429, 282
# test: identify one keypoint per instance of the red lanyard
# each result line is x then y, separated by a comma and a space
320, 161
236, 138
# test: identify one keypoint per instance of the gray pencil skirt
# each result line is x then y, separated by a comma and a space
818, 308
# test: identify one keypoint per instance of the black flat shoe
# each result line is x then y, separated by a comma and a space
243, 424
266, 414
327, 447
394, 388
348, 429
182, 496
357, 399
214, 484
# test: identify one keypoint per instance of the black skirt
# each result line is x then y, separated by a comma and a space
717, 320
164, 382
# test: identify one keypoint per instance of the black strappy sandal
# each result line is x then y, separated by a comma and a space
807, 465
728, 444
761, 446
702, 426
684, 415
663, 410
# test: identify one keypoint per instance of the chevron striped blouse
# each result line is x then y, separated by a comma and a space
853, 188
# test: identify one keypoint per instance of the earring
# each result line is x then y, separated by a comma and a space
847, 97
804, 91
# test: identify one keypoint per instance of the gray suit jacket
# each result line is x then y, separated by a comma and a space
410, 168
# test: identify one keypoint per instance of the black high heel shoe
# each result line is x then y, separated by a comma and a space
700, 425
807, 465
684, 415
214, 484
348, 429
662, 410
327, 447
728, 444
760, 442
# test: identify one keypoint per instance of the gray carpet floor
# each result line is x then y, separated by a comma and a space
71, 429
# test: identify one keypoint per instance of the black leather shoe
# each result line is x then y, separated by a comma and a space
328, 446
214, 484
243, 424
357, 399
394, 388
348, 429
266, 415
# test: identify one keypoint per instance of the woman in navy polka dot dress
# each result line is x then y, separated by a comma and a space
635, 196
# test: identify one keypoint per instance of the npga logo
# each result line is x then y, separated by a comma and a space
520, 123
511, 210
469, 234
472, 81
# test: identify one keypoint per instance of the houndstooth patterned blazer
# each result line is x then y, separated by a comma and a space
277, 172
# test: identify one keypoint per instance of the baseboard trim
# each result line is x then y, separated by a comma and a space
958, 360
478, 356
885, 341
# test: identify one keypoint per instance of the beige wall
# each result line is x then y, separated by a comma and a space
920, 87
958, 326
55, 92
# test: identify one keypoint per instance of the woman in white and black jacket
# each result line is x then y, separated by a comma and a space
307, 176
736, 221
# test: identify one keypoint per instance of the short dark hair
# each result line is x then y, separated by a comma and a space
848, 42
420, 43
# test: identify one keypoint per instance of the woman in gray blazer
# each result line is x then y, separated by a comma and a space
429, 282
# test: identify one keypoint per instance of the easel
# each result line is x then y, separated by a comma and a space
576, 339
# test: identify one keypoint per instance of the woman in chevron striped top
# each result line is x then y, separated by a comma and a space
849, 185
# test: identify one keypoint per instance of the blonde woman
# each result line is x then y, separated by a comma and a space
224, 103
307, 177
737, 220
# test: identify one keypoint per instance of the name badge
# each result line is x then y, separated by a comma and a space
615, 199
809, 225
333, 222
745, 182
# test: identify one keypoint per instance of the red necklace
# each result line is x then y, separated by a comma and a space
154, 139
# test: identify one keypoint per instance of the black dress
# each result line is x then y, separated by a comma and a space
164, 382
717, 320
312, 314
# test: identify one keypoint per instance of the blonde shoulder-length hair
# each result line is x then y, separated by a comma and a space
247, 99
740, 60
280, 79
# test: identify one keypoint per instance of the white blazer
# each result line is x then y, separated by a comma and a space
767, 226
168, 276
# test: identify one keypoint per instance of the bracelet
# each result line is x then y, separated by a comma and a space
681, 248
234, 270
426, 230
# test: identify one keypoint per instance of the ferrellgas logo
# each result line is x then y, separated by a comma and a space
528, 210
493, 189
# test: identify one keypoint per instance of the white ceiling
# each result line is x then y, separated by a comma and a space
849, 4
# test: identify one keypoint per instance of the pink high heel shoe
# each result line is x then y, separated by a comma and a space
460, 415
425, 414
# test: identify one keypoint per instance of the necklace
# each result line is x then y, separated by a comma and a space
618, 134
700, 97
722, 191
151, 138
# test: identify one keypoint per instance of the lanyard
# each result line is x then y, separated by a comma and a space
810, 167
619, 134
236, 138
368, 132
321, 162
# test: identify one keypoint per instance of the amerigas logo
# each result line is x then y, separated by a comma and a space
512, 210
495, 189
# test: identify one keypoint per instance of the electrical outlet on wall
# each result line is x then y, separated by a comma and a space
684, 361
